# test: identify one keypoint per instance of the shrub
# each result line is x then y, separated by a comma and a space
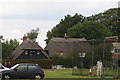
44, 63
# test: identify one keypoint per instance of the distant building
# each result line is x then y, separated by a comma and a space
67, 46
116, 48
29, 49
116, 53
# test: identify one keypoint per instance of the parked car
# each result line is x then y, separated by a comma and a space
24, 70
2, 68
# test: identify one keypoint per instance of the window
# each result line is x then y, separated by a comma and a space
32, 67
22, 67
1, 67
117, 51
38, 52
60, 53
26, 52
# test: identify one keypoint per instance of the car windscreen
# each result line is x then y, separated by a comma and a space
14, 66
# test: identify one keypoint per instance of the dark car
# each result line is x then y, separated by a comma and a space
24, 70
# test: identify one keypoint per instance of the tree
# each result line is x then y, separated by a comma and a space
33, 34
89, 30
60, 29
109, 19
8, 47
1, 37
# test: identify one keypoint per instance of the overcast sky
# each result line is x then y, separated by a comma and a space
17, 17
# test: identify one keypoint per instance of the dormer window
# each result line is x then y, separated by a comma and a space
26, 52
38, 52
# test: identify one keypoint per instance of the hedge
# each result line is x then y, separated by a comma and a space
44, 63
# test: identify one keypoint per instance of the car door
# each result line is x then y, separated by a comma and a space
32, 69
20, 71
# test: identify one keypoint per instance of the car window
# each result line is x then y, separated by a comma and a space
1, 67
32, 67
22, 67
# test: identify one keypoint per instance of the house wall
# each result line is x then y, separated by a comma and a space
32, 56
67, 48
58, 47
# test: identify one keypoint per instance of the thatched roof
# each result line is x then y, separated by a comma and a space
27, 44
67, 45
63, 41
55, 39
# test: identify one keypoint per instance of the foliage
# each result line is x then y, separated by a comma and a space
44, 63
89, 30
100, 51
60, 29
109, 64
109, 19
8, 47
1, 37
105, 22
33, 34
61, 60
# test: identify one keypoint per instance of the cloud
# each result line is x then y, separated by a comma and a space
52, 10
16, 28
16, 31
58, 0
17, 17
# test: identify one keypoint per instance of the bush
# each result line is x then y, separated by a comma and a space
67, 62
44, 63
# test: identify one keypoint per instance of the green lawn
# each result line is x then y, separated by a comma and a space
67, 73
61, 73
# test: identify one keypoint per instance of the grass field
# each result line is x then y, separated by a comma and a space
60, 73
65, 74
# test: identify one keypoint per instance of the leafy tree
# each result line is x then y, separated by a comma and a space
89, 30
109, 19
98, 54
33, 34
8, 47
61, 60
1, 38
60, 29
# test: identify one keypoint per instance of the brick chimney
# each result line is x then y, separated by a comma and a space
65, 36
24, 37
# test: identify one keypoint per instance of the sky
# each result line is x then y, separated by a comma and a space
18, 17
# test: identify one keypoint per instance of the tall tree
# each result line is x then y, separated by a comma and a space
60, 29
109, 19
33, 34
8, 47
89, 30
1, 38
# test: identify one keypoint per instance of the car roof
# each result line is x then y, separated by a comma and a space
28, 63
23, 64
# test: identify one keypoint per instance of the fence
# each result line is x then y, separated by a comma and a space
108, 51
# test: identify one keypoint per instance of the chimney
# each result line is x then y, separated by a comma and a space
65, 36
24, 37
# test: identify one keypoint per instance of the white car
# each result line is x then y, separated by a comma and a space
2, 68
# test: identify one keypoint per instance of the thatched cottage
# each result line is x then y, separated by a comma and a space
29, 49
67, 46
